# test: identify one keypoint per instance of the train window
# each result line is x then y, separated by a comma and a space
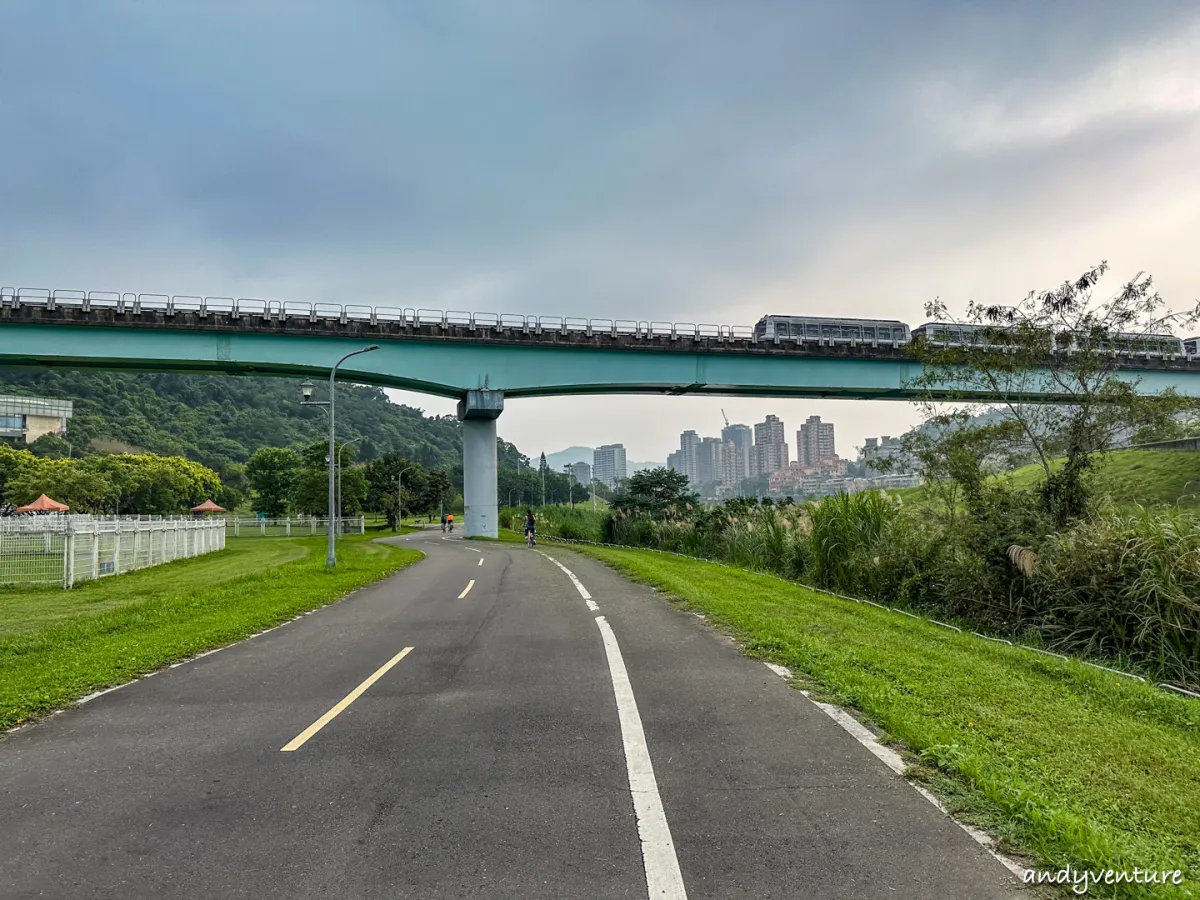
814, 329
852, 332
868, 332
781, 329
829, 331
897, 334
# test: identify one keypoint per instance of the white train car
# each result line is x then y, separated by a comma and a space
1191, 347
954, 334
1155, 346
828, 330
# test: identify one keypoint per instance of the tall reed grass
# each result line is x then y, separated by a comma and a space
1123, 587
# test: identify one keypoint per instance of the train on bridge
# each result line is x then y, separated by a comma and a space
827, 330
823, 331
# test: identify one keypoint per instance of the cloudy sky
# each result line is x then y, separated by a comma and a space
690, 160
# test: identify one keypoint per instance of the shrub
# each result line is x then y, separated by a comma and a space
1124, 586
845, 531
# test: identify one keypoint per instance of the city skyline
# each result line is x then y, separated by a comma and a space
736, 441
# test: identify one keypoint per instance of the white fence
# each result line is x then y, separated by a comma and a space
292, 527
68, 549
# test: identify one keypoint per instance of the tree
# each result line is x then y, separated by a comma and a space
272, 473
656, 492
1060, 343
310, 486
50, 446
423, 488
84, 490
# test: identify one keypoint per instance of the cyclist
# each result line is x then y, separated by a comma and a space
450, 522
530, 528
443, 522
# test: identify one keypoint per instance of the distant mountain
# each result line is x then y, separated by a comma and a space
566, 457
584, 454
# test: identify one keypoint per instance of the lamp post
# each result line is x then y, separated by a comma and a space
570, 473
341, 450
400, 496
306, 389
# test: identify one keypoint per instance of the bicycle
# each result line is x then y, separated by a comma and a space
530, 537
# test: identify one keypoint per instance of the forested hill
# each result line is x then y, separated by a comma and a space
219, 419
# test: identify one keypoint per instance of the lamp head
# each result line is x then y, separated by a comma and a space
306, 389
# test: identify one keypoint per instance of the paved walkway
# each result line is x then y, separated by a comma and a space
494, 759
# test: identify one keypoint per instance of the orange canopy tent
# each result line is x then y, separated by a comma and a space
43, 504
208, 507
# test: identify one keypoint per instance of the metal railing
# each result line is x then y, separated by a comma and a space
69, 549
300, 526
276, 310
509, 324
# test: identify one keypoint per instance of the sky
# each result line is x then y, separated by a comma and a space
677, 161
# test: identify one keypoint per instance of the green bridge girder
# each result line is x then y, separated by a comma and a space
451, 362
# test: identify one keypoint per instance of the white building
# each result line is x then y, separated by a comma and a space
608, 464
26, 419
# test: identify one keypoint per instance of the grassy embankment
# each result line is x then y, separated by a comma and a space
1062, 762
57, 646
1126, 477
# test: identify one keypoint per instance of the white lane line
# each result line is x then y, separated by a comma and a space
473, 550
481, 560
895, 762
664, 881
467, 589
583, 592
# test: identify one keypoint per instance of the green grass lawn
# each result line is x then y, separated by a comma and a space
1063, 763
57, 646
1148, 477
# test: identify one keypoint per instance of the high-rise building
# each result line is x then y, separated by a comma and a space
674, 462
814, 442
732, 470
689, 443
770, 448
582, 472
742, 439
608, 464
710, 461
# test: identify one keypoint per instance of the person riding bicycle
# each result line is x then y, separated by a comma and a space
443, 521
530, 528
450, 522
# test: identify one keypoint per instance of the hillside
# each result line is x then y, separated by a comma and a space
218, 420
1147, 477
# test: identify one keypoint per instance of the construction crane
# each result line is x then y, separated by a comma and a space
725, 417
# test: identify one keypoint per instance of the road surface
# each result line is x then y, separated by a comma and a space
493, 759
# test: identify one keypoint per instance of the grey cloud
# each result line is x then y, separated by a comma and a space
632, 157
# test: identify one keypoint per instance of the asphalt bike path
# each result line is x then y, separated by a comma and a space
469, 727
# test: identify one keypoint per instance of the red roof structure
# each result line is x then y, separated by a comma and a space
208, 506
43, 504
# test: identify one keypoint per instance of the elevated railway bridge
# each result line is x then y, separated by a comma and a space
477, 358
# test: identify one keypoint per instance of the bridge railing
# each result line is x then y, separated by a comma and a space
407, 317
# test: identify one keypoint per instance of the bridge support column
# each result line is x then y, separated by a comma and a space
478, 412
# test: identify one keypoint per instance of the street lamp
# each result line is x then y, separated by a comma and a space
306, 390
342, 450
400, 495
